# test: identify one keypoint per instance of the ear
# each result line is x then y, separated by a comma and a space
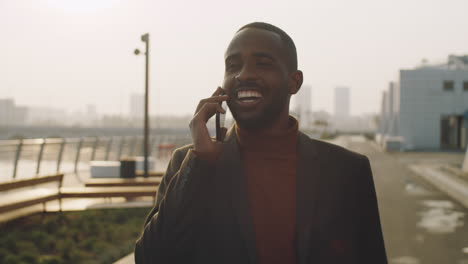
295, 81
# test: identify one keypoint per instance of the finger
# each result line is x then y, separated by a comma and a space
208, 110
214, 99
197, 125
217, 99
218, 91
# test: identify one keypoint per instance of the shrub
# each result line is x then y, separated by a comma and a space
28, 257
94, 236
50, 260
27, 246
3, 254
11, 259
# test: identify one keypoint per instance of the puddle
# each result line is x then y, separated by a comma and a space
405, 260
416, 190
440, 217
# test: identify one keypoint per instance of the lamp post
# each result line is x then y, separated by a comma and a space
145, 39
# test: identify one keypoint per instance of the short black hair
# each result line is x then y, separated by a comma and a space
287, 40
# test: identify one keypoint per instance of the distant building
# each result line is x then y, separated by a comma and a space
21, 115
303, 108
91, 115
39, 115
342, 102
389, 117
137, 105
10, 114
7, 108
428, 107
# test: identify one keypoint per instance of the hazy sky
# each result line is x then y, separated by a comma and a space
70, 53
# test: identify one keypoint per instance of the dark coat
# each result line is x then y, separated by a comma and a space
202, 212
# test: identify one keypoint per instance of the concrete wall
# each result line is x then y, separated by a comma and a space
423, 101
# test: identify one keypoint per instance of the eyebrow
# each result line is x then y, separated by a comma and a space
255, 54
264, 55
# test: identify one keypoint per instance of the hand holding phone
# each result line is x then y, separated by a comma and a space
207, 108
220, 119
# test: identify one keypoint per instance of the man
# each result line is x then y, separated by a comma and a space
267, 193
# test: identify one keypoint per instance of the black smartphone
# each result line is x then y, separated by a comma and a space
220, 118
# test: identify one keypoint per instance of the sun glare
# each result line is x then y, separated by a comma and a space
81, 6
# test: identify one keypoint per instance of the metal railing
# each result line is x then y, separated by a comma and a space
29, 157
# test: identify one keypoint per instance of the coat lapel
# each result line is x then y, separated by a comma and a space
230, 167
307, 180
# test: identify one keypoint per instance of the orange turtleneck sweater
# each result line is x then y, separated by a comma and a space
270, 165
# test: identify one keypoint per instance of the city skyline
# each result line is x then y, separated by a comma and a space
69, 54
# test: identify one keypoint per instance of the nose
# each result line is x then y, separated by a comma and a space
246, 74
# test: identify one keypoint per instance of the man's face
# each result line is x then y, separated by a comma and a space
256, 78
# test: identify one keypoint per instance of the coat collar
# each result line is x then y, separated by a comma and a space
231, 168
307, 184
308, 172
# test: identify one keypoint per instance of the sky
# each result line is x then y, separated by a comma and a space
71, 53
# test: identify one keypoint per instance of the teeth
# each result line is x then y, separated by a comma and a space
245, 94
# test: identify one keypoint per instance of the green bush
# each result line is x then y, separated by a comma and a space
11, 259
27, 246
3, 254
8, 243
49, 260
93, 236
28, 257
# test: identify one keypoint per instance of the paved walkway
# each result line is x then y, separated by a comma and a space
421, 224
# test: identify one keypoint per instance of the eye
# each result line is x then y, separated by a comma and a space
231, 66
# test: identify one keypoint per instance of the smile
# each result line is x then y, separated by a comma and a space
248, 97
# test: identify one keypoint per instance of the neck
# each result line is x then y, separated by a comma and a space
279, 140
279, 125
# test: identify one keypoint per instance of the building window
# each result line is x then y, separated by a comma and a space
465, 86
448, 86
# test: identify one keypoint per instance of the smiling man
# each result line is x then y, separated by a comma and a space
267, 193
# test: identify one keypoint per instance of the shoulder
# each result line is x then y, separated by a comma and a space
182, 151
177, 157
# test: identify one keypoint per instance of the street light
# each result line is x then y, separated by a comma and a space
145, 39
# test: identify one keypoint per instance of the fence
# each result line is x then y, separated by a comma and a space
29, 157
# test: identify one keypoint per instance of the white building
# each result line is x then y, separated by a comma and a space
342, 102
428, 107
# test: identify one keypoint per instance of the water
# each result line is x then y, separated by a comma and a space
440, 217
440, 231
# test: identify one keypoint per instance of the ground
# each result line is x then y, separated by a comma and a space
421, 225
